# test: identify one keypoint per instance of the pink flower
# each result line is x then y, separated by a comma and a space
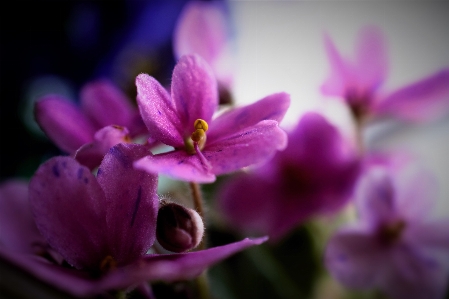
205, 146
359, 83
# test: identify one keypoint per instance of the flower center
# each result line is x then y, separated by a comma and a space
390, 233
107, 264
198, 137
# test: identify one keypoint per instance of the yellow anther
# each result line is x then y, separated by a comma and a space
198, 136
107, 264
201, 124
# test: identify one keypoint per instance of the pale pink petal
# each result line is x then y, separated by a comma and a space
178, 165
105, 104
194, 91
420, 101
131, 202
158, 111
63, 122
255, 144
69, 209
271, 107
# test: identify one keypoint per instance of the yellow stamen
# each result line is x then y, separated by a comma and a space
107, 264
201, 124
198, 137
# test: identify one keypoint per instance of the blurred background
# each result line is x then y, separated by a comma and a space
57, 46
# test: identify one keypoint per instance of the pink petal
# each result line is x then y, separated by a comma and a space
91, 154
194, 91
420, 101
271, 107
131, 202
371, 58
178, 165
68, 206
18, 231
252, 145
105, 104
158, 111
174, 267
63, 122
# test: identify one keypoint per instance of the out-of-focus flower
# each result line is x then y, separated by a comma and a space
235, 139
104, 118
359, 83
314, 174
395, 246
203, 28
102, 226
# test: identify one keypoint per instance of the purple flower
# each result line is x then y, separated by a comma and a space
234, 139
395, 245
102, 226
314, 174
104, 117
359, 83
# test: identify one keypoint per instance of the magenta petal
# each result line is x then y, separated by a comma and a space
131, 202
430, 234
372, 60
91, 154
63, 122
68, 206
174, 267
355, 259
18, 231
178, 165
271, 107
422, 100
158, 111
194, 91
252, 145
106, 105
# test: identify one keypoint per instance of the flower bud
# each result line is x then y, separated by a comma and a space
179, 229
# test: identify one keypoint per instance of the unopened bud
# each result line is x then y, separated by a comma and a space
179, 229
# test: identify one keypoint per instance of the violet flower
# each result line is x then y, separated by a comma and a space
234, 139
359, 83
203, 28
104, 118
102, 226
395, 246
315, 174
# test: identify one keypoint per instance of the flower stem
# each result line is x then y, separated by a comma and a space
198, 205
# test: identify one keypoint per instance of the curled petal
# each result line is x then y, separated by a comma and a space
178, 165
131, 202
420, 101
63, 122
271, 107
158, 111
68, 206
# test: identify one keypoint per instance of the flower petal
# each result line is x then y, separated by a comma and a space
251, 145
68, 206
18, 231
420, 101
158, 111
194, 91
63, 122
105, 104
174, 267
178, 165
271, 107
131, 202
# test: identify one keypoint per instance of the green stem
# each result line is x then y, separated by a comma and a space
198, 205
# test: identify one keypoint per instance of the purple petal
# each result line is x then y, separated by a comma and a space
174, 267
371, 58
194, 90
68, 206
252, 145
106, 105
178, 165
63, 122
419, 101
355, 259
271, 107
131, 202
18, 231
91, 154
158, 111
